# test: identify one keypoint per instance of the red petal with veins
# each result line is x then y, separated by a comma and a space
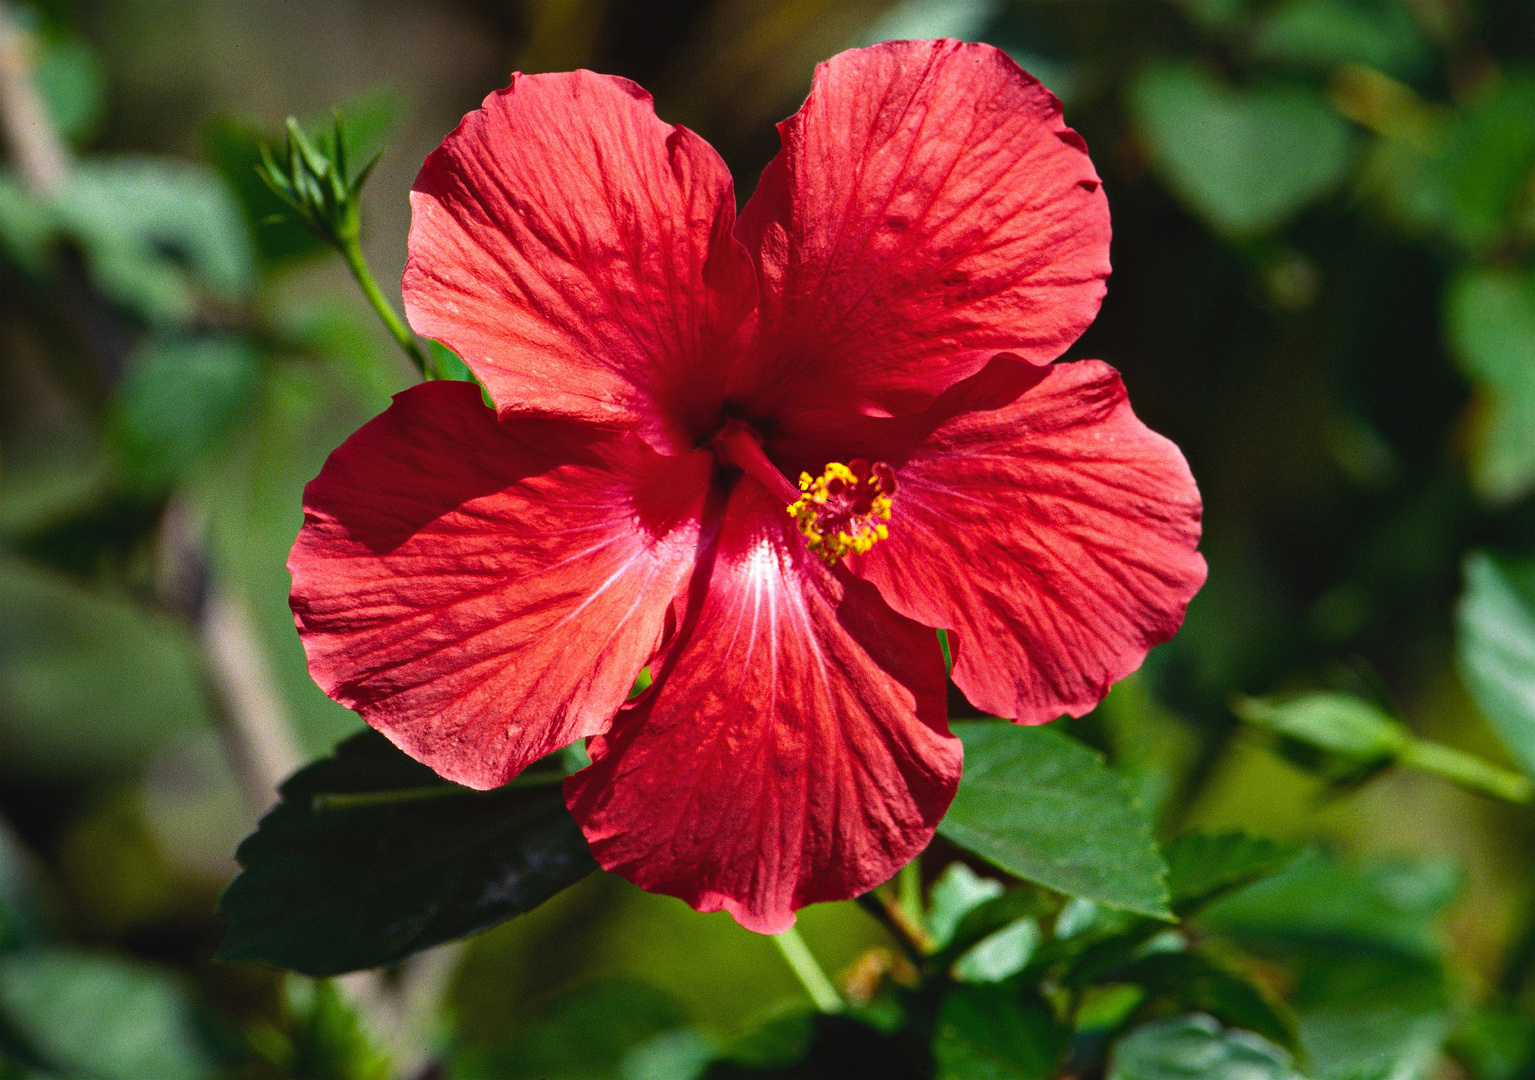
483, 592
929, 208
794, 748
1039, 519
576, 251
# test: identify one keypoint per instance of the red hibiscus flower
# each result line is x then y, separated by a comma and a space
878, 325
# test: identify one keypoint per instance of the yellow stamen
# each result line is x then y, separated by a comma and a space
845, 509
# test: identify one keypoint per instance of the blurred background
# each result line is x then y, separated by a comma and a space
1323, 291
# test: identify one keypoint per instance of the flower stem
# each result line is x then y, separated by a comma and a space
1467, 770
814, 980
351, 251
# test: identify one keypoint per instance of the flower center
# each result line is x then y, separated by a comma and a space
845, 509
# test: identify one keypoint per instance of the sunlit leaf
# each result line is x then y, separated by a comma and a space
1243, 160
1197, 1048
371, 856
1495, 646
1045, 808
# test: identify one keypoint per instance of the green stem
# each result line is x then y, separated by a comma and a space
908, 884
351, 251
814, 980
1467, 770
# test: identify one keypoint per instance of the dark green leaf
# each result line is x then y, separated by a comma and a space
1197, 984
1045, 808
997, 1032
1203, 867
1322, 34
99, 1017
371, 856
1243, 160
1197, 1048
988, 917
1495, 646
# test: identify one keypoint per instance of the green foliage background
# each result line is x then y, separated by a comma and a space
1297, 843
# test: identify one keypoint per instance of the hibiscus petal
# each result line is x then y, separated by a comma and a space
794, 748
577, 252
483, 592
929, 208
1036, 517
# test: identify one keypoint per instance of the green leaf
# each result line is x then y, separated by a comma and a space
997, 1032
1203, 867
89, 683
990, 917
327, 1040
1195, 983
21, 923
1244, 160
1368, 1015
73, 85
1197, 1048
156, 231
1495, 648
1322, 34
596, 1031
1336, 735
957, 891
99, 1017
371, 856
1490, 321
177, 400
1045, 808
1318, 901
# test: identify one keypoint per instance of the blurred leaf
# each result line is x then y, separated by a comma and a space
1243, 160
957, 891
1487, 162
21, 923
89, 684
920, 20
1203, 867
989, 917
1372, 1016
583, 1034
371, 856
73, 85
1197, 1048
678, 1054
1495, 647
997, 1032
100, 1017
1001, 954
234, 149
1490, 321
151, 228
1197, 984
1353, 735
1496, 1042
25, 228
1045, 808
1319, 901
1324, 33
177, 400
326, 1041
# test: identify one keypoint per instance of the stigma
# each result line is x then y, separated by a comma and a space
845, 510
